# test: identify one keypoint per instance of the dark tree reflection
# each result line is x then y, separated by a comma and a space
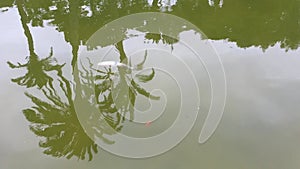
269, 23
112, 90
36, 71
53, 116
55, 121
248, 23
36, 68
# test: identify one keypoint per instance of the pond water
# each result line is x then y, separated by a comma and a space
73, 87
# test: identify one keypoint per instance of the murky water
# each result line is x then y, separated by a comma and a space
47, 121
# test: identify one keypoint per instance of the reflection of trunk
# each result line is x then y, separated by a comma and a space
22, 13
77, 84
74, 23
93, 7
123, 58
74, 40
75, 55
69, 95
155, 3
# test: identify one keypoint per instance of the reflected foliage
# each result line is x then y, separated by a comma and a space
36, 68
113, 90
248, 23
53, 116
56, 122
36, 71
156, 38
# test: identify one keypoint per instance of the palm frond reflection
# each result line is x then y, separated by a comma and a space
54, 120
115, 90
36, 71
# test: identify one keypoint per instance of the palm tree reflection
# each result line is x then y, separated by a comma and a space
36, 71
112, 90
37, 68
55, 119
117, 91
56, 122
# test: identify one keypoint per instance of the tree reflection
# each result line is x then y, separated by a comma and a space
269, 24
53, 116
248, 23
36, 71
121, 93
36, 68
56, 122
112, 90
55, 119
